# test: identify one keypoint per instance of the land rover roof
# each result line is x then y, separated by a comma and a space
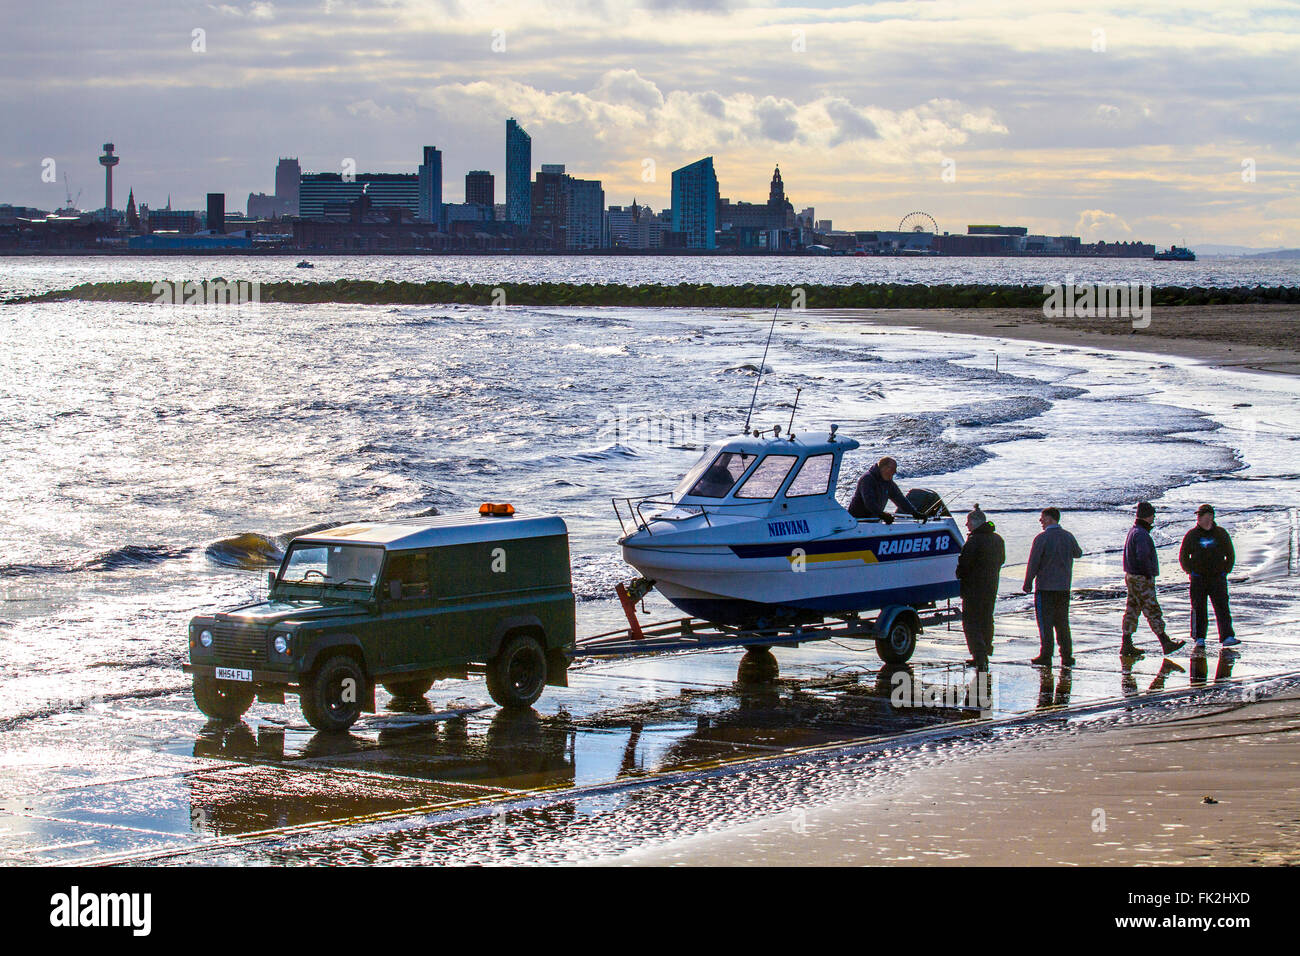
408, 534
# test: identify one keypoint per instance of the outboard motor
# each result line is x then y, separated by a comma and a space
927, 503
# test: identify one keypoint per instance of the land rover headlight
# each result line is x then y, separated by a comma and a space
205, 638
281, 644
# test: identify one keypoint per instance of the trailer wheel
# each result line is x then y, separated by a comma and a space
331, 695
898, 643
409, 688
222, 699
517, 675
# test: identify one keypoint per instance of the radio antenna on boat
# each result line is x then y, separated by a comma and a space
789, 429
761, 366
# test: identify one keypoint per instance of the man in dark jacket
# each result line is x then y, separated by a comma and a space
1141, 568
1051, 563
1207, 556
978, 568
875, 490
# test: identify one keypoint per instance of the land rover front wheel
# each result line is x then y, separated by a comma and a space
517, 675
331, 695
222, 699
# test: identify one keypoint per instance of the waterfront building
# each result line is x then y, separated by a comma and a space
384, 190
584, 201
466, 212
480, 188
216, 218
428, 207
695, 204
287, 175
519, 173
172, 220
547, 218
634, 227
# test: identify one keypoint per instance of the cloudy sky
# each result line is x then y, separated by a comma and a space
1106, 119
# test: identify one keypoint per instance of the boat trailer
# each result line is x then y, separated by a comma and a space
894, 629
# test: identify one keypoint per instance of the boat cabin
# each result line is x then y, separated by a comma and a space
773, 470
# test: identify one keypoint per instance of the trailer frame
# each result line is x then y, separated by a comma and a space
894, 630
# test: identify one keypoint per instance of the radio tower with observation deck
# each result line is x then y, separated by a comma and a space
108, 161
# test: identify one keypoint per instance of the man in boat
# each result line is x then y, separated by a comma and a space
1207, 556
875, 490
1141, 568
1051, 567
978, 568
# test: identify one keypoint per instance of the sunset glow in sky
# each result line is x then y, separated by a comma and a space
1156, 121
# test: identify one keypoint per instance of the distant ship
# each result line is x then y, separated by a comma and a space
1175, 254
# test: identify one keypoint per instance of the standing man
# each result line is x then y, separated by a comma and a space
875, 490
1207, 557
1141, 568
1051, 563
978, 568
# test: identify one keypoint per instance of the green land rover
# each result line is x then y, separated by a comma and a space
398, 603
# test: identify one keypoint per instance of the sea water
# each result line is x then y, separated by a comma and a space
154, 457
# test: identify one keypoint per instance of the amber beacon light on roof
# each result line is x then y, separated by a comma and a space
489, 509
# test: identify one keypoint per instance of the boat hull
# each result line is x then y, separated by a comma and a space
863, 568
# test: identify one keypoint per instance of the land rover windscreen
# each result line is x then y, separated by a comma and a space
329, 572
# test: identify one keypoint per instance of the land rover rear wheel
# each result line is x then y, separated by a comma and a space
331, 694
899, 642
409, 688
222, 699
517, 675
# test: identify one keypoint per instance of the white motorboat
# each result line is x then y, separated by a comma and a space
753, 537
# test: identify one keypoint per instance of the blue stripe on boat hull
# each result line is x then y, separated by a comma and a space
741, 613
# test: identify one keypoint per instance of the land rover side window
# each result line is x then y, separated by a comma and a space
765, 480
337, 565
814, 477
411, 570
721, 475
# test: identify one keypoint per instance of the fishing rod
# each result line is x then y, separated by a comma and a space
761, 366
943, 501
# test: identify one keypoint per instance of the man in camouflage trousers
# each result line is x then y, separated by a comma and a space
1141, 567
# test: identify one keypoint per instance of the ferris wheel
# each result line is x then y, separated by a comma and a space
918, 222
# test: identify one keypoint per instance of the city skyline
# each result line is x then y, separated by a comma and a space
1105, 122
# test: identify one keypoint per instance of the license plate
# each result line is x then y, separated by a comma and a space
232, 673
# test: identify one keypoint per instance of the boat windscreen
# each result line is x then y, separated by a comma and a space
721, 475
765, 480
814, 477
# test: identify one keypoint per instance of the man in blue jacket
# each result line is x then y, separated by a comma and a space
1141, 568
876, 489
1207, 556
1051, 564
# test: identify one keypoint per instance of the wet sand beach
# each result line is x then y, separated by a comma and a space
104, 757
1249, 337
1212, 785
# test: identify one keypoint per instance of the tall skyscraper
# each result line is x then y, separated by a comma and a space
695, 204
584, 214
288, 174
519, 173
217, 212
430, 175
480, 188
108, 161
548, 215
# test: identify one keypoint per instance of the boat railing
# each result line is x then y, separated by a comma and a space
640, 522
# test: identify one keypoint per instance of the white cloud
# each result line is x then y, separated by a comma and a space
1094, 224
